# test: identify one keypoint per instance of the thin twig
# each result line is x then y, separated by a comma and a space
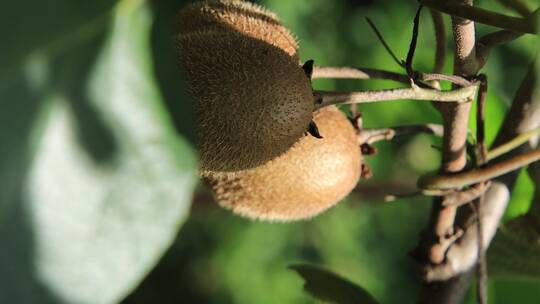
481, 266
371, 136
383, 42
481, 289
440, 40
480, 121
357, 73
454, 79
326, 98
459, 198
367, 73
477, 175
412, 46
516, 24
394, 197
371, 191
513, 144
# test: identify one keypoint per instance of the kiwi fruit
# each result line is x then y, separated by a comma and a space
252, 101
311, 177
243, 17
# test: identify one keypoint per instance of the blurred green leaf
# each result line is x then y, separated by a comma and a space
89, 223
329, 287
514, 252
29, 26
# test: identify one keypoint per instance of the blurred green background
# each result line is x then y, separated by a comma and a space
99, 201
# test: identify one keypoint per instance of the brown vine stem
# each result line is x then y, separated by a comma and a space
487, 42
326, 98
442, 233
474, 176
498, 38
459, 198
455, 273
457, 8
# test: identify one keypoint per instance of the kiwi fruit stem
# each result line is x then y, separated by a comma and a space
326, 98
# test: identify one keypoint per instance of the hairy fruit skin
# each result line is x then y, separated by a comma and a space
243, 17
252, 101
311, 177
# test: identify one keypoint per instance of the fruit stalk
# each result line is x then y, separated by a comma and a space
368, 73
326, 98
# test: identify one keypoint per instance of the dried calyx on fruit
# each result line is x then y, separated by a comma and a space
311, 177
252, 100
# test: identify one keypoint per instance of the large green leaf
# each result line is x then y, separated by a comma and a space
331, 288
514, 253
81, 224
29, 26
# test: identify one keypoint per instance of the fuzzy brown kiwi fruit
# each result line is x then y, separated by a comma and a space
311, 177
231, 15
252, 101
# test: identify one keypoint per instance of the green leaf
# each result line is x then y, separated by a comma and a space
515, 250
29, 26
330, 287
106, 183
